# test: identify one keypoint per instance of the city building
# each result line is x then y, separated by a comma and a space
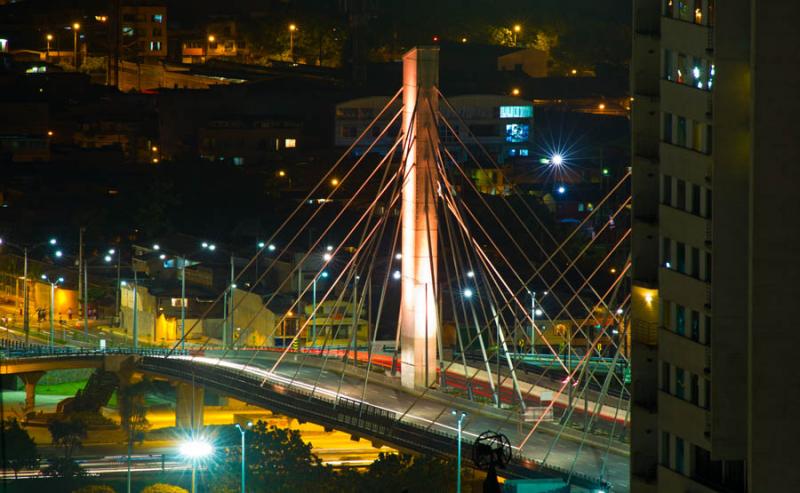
502, 124
144, 30
714, 399
531, 61
221, 39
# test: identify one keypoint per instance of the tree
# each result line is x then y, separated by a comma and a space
68, 433
20, 449
133, 411
163, 488
64, 467
277, 461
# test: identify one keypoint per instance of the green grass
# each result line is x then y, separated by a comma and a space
66, 388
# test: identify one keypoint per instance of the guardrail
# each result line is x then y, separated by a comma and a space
340, 412
347, 414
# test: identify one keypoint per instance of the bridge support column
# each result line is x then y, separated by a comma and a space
189, 405
30, 380
419, 322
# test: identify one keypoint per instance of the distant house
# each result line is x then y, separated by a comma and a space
531, 61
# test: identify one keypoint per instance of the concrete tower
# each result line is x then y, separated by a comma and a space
419, 322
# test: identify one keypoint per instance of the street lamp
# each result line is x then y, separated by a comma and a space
243, 431
460, 417
53, 284
323, 274
25, 302
292, 29
49, 38
75, 28
109, 258
517, 29
195, 450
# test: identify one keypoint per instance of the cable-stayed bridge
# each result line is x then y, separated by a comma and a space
499, 315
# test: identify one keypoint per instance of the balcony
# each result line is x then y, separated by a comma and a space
683, 418
686, 100
687, 37
682, 351
683, 226
683, 289
685, 163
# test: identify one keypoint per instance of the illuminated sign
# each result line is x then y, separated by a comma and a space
517, 132
516, 111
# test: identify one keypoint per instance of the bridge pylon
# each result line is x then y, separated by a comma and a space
419, 321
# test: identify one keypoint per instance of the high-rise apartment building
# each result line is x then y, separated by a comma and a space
716, 270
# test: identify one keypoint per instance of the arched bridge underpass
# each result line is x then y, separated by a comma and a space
334, 403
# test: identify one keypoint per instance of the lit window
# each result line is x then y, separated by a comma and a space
127, 31
290, 143
178, 302
523, 152
238, 161
158, 18
155, 45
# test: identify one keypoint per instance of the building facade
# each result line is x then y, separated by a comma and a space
144, 31
713, 399
502, 124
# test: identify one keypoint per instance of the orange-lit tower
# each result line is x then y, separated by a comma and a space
419, 322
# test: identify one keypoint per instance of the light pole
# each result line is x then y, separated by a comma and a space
244, 467
75, 28
211, 39
517, 29
111, 253
196, 450
292, 29
49, 38
460, 418
25, 301
135, 332
324, 274
53, 284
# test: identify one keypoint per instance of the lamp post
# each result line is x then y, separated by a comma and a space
53, 284
244, 467
108, 258
135, 332
460, 419
49, 38
75, 28
324, 274
196, 450
292, 29
517, 29
211, 40
25, 301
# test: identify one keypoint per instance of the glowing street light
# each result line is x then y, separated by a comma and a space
271, 247
468, 293
335, 182
396, 274
75, 28
196, 450
557, 159
562, 190
53, 285
517, 29
471, 274
515, 91
292, 29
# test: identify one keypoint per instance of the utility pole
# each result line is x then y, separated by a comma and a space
25, 315
86, 301
80, 263
230, 311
